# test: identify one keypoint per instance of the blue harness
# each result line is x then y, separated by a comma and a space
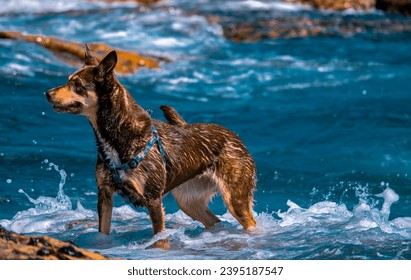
133, 163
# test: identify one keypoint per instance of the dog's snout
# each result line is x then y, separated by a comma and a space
49, 94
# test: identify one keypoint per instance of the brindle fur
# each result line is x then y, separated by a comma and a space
202, 159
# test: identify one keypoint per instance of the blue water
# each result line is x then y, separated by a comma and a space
327, 119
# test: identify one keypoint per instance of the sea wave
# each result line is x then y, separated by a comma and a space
288, 230
48, 6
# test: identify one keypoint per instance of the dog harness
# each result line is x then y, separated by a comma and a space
133, 163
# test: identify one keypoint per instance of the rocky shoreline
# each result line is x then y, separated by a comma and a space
21, 247
299, 26
282, 26
397, 6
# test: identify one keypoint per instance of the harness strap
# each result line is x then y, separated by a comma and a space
133, 163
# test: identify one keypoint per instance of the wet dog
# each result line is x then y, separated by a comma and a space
143, 159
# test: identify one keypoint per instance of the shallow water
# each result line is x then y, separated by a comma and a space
326, 118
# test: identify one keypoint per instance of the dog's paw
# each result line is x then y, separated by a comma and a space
161, 244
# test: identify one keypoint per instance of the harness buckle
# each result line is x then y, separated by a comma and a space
132, 163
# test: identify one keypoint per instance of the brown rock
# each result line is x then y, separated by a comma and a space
338, 5
297, 26
72, 53
144, 2
20, 247
399, 6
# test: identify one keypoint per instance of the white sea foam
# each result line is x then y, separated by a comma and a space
117, 35
276, 5
182, 80
50, 214
272, 238
44, 6
17, 69
169, 42
263, 5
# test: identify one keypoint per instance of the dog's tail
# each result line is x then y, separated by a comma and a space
172, 116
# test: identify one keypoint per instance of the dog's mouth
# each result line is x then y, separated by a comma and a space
73, 108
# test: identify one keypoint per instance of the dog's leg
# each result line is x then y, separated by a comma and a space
236, 180
105, 198
193, 196
105, 209
156, 212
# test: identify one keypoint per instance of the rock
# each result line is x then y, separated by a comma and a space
299, 26
72, 53
338, 5
399, 6
144, 2
20, 247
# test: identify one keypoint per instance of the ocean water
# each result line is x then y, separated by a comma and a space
327, 119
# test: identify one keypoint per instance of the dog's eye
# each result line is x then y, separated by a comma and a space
79, 89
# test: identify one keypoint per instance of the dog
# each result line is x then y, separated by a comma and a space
143, 159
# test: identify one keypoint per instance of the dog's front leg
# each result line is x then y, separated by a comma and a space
105, 209
156, 211
105, 197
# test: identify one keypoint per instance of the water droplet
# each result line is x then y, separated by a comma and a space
43, 113
9, 181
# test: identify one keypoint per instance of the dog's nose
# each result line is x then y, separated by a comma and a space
49, 94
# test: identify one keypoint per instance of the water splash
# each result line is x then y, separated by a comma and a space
390, 196
50, 214
60, 202
297, 233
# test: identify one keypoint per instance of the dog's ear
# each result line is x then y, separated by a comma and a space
89, 60
107, 64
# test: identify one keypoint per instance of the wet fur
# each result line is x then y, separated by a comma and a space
202, 159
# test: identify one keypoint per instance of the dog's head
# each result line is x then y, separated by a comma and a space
80, 94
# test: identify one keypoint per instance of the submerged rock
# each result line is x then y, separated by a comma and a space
72, 53
399, 6
338, 5
299, 26
20, 247
144, 2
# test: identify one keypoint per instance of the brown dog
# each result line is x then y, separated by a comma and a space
143, 159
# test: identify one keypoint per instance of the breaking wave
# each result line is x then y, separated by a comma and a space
324, 230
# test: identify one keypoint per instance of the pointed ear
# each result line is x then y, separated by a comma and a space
89, 60
107, 64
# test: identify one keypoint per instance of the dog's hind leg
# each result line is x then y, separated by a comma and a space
193, 196
236, 180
